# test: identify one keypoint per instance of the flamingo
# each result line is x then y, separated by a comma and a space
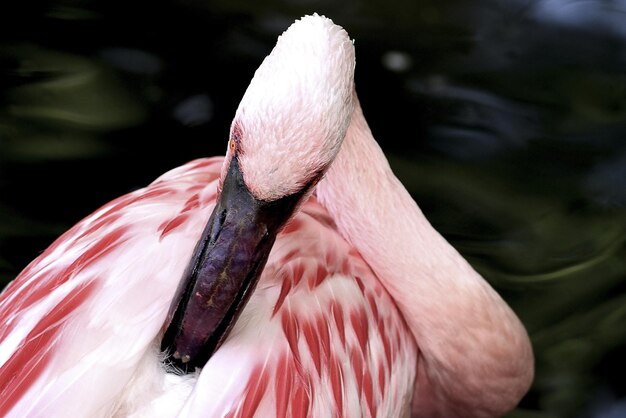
295, 277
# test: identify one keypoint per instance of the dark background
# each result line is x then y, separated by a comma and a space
506, 120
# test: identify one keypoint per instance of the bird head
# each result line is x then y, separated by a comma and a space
285, 134
294, 115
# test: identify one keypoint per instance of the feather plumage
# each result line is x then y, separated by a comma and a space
319, 337
361, 305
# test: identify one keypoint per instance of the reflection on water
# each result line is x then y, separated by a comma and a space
505, 119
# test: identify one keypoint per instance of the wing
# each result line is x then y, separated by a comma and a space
320, 337
75, 323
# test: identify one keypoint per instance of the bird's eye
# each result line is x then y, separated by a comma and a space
235, 137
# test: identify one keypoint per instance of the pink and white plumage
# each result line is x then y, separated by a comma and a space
361, 303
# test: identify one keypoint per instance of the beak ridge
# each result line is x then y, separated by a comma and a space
224, 269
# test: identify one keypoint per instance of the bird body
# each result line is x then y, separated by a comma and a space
362, 309
319, 337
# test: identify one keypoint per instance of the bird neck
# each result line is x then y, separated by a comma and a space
467, 335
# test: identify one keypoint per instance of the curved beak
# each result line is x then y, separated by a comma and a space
224, 269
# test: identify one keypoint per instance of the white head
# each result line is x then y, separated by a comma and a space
293, 117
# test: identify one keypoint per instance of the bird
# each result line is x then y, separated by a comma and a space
293, 277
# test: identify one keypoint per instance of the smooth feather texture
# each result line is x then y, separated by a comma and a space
476, 358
